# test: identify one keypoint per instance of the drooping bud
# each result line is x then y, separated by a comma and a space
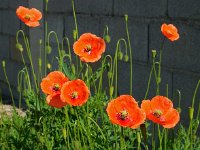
191, 112
159, 79
109, 74
126, 58
40, 62
63, 52
74, 34
154, 53
49, 66
120, 55
64, 133
138, 137
19, 47
126, 17
40, 41
73, 68
107, 38
3, 64
48, 49
111, 90
178, 109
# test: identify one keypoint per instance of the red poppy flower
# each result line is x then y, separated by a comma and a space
30, 17
75, 92
170, 31
52, 85
160, 110
125, 112
53, 82
55, 101
89, 47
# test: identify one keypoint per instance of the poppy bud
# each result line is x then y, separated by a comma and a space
120, 55
71, 111
126, 58
154, 53
62, 52
107, 38
111, 91
108, 66
40, 62
48, 49
126, 17
49, 66
74, 34
3, 64
73, 69
18, 89
40, 42
109, 74
191, 112
159, 79
19, 47
64, 133
138, 137
178, 109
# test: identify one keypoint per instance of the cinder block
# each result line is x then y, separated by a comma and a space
4, 47
140, 8
15, 54
180, 54
85, 23
94, 7
10, 22
56, 23
1, 20
138, 36
4, 4
6, 93
184, 9
12, 69
14, 4
60, 6
140, 81
186, 83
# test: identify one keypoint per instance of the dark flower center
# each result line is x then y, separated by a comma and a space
123, 115
56, 87
157, 113
74, 95
27, 17
88, 49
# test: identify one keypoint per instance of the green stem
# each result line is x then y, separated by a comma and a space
115, 64
130, 52
195, 92
68, 45
9, 87
45, 37
149, 81
60, 60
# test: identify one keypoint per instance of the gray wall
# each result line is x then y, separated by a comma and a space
181, 63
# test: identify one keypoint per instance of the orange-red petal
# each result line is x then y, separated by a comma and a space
55, 101
97, 45
171, 118
52, 79
30, 17
76, 86
160, 110
135, 116
170, 31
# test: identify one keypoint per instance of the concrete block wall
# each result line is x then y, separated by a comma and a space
9, 24
180, 63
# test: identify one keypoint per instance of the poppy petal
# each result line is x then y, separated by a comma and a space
55, 101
